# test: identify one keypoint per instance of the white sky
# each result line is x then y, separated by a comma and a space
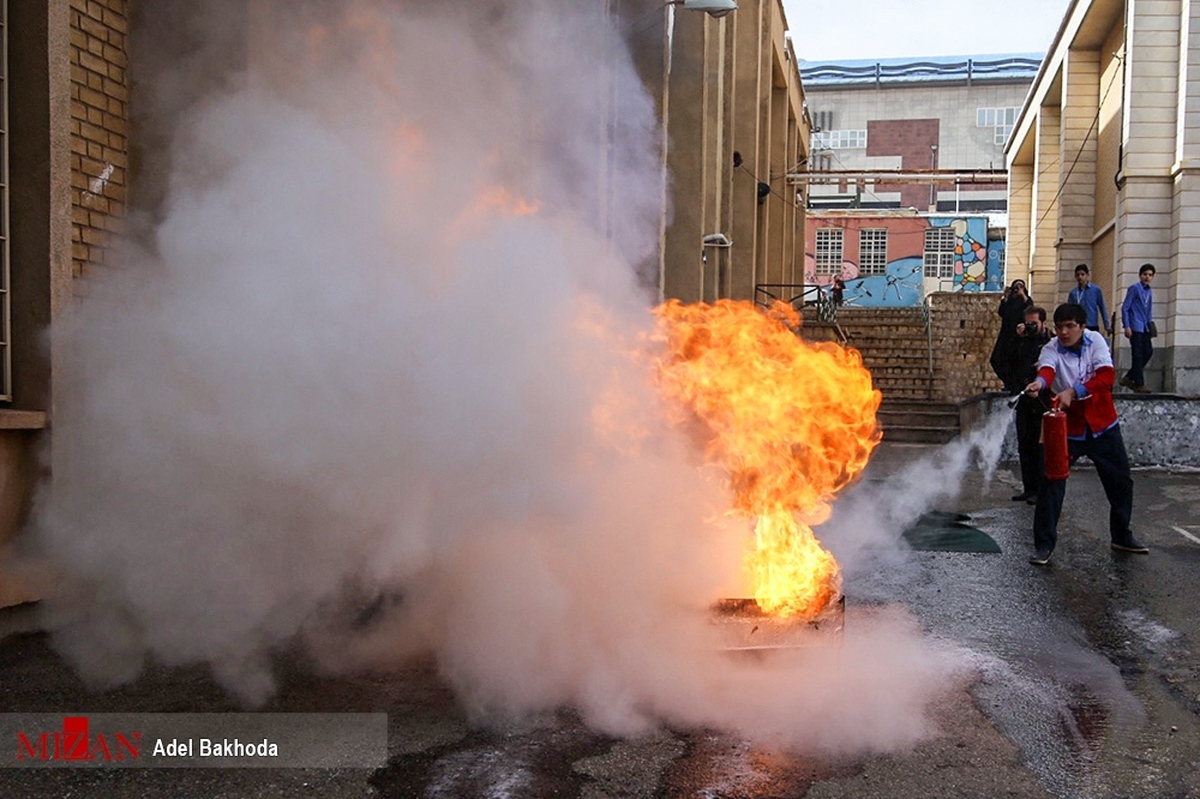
827, 30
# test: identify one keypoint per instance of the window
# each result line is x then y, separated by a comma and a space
839, 139
1000, 119
5, 325
939, 252
828, 256
872, 251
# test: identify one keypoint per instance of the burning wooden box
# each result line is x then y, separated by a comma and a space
743, 626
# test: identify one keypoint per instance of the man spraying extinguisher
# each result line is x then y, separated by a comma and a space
1077, 367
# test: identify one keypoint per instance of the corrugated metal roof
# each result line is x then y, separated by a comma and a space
921, 70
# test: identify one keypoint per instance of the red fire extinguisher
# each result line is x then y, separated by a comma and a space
1054, 443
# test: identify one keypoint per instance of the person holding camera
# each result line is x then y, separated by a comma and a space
1004, 354
1032, 335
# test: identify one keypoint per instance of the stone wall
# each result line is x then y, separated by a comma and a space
1158, 431
963, 330
99, 127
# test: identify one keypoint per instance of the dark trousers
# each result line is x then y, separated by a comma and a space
1029, 448
1107, 452
1142, 349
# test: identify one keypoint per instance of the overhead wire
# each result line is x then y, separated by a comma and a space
1075, 161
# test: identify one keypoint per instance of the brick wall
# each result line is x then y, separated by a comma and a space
964, 326
912, 140
99, 127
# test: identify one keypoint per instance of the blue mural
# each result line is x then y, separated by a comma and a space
977, 265
899, 287
996, 279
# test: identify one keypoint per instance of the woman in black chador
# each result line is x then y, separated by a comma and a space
1004, 355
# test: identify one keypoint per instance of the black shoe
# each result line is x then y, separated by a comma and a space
1024, 496
1042, 557
1031, 501
1131, 545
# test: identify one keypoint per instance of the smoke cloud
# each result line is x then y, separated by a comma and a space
380, 381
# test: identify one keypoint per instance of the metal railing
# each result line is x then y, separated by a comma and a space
797, 295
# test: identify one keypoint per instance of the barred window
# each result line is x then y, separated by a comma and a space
872, 251
5, 306
839, 139
939, 252
828, 255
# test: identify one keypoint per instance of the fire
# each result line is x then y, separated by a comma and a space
791, 421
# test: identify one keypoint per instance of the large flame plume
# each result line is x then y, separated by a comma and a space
791, 421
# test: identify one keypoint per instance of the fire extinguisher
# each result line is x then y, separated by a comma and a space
1054, 443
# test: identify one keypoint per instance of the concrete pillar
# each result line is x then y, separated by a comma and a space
1019, 244
1048, 170
1179, 294
1078, 140
749, 39
1144, 218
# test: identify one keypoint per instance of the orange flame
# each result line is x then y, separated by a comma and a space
791, 421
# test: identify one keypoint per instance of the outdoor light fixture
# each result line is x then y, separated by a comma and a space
716, 8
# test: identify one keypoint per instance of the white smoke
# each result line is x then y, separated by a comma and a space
350, 365
867, 522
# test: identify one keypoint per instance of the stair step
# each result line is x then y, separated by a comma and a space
932, 419
919, 435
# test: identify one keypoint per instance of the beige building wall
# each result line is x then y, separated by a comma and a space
734, 110
1120, 90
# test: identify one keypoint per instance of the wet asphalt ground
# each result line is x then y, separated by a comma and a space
1088, 686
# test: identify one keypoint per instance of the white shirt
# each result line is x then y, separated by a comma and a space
1071, 369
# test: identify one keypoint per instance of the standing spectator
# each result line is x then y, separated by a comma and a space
1004, 354
1137, 316
1077, 366
837, 291
1032, 337
1091, 298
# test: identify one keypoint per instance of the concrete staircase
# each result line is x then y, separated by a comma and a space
918, 422
895, 348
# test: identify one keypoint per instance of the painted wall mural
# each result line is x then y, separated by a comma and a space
978, 264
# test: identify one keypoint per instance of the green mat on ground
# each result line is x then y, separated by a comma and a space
940, 531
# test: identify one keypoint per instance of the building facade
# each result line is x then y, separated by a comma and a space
1104, 166
921, 117
66, 157
730, 97
76, 160
896, 258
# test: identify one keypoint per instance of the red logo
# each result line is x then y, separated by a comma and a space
75, 743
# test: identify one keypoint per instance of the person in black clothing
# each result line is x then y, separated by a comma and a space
1031, 337
837, 290
1004, 354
